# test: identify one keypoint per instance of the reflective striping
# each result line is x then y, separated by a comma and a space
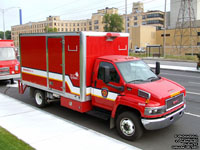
111, 96
34, 72
74, 90
55, 76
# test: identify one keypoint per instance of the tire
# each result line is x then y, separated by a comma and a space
40, 98
129, 126
12, 81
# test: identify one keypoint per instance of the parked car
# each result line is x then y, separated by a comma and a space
139, 50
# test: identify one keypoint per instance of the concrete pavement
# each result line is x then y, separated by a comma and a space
45, 131
172, 65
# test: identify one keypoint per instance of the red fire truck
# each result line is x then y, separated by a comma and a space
9, 65
91, 72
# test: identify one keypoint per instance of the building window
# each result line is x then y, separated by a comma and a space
144, 23
74, 29
127, 24
54, 24
96, 27
90, 28
58, 29
96, 21
74, 24
135, 17
77, 29
198, 33
198, 43
90, 23
84, 29
128, 19
61, 24
143, 17
84, 24
62, 29
165, 35
66, 24
155, 22
66, 29
135, 24
156, 15
77, 24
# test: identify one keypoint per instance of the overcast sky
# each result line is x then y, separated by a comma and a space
38, 10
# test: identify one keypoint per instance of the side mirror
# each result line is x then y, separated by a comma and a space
157, 71
106, 75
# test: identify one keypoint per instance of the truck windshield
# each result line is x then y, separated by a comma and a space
7, 53
136, 72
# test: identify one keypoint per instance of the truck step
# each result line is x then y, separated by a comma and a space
99, 114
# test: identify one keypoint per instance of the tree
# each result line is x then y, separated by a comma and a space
113, 23
7, 33
47, 29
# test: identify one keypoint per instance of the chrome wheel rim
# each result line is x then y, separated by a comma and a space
38, 98
127, 127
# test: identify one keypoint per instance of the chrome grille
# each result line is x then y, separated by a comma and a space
4, 71
174, 101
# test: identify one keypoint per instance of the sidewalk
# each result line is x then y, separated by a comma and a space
172, 65
45, 131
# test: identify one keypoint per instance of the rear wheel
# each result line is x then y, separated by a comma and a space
40, 99
129, 126
12, 81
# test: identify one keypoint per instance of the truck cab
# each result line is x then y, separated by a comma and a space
136, 96
9, 65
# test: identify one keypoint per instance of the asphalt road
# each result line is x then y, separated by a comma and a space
163, 139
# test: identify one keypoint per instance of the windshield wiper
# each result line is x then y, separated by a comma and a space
139, 80
153, 79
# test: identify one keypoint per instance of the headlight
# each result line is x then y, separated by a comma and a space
155, 110
16, 68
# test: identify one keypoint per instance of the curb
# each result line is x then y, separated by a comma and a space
177, 68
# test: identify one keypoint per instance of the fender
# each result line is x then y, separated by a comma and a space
131, 101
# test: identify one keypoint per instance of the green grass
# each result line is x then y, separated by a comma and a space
10, 142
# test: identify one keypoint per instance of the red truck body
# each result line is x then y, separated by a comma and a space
9, 65
90, 71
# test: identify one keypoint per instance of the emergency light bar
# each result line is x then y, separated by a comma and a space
111, 36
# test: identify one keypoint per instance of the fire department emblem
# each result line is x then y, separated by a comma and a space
104, 92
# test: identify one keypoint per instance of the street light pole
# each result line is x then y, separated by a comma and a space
126, 16
3, 12
4, 34
165, 25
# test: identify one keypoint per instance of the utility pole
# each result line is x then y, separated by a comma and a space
4, 34
165, 26
126, 30
3, 12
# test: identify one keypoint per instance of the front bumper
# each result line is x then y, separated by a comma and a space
153, 124
7, 77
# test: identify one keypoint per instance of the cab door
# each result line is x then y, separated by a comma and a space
103, 95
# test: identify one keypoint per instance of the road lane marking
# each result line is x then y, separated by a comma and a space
181, 75
187, 113
194, 83
188, 92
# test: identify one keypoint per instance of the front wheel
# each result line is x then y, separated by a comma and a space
129, 126
40, 99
